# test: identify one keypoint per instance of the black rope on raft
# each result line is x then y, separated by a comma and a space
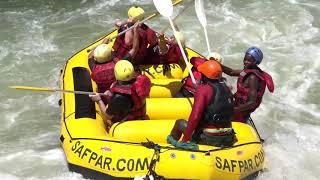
155, 158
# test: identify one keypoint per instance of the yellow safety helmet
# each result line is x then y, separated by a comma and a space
215, 56
123, 70
102, 53
179, 36
136, 13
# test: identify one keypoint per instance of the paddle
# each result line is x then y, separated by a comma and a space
146, 19
46, 89
178, 15
202, 18
165, 8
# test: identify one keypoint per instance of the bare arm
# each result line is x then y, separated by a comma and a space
162, 44
91, 55
253, 95
229, 71
135, 46
128, 37
107, 120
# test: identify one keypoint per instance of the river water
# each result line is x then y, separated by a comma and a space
37, 37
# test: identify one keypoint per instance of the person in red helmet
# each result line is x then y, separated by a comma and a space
188, 89
251, 84
210, 119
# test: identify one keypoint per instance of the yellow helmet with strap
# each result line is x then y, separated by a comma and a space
123, 70
215, 56
136, 13
179, 36
102, 53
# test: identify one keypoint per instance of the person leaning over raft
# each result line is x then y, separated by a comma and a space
251, 84
104, 62
188, 89
127, 95
167, 50
210, 119
123, 43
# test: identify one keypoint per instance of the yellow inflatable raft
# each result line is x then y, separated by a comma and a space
137, 148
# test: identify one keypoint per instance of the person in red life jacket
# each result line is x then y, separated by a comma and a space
251, 84
127, 95
167, 50
210, 119
123, 43
104, 62
188, 89
102, 71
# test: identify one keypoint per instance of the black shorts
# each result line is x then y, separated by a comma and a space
201, 137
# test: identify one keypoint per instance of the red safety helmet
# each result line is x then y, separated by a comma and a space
211, 69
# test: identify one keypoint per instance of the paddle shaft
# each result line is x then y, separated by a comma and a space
201, 15
207, 39
45, 89
124, 31
178, 15
183, 53
78, 92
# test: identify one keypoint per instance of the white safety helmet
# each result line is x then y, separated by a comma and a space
102, 53
215, 56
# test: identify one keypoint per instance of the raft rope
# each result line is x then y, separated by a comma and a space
154, 159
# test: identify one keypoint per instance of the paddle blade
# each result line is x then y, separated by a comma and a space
32, 88
200, 12
164, 7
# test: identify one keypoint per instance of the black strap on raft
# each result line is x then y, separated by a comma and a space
155, 158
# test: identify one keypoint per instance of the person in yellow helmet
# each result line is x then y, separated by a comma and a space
127, 95
147, 36
210, 119
102, 61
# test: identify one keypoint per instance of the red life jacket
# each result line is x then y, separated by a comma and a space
147, 37
242, 94
120, 48
174, 53
188, 85
172, 56
103, 75
147, 40
138, 90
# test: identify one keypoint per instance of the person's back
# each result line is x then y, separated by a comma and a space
137, 90
127, 95
210, 120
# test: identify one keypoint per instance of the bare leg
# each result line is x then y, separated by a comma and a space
178, 129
